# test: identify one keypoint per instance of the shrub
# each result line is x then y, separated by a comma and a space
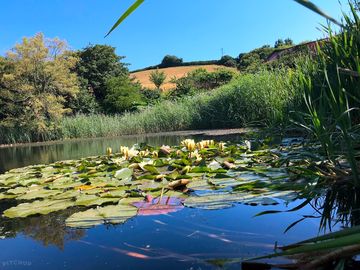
157, 78
227, 61
122, 95
200, 80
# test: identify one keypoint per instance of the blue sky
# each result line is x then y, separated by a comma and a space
191, 29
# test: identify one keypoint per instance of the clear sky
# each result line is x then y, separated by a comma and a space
191, 29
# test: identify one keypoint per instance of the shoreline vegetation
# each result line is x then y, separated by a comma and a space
262, 99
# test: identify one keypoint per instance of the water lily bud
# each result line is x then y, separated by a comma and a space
159, 177
108, 151
155, 154
248, 144
165, 149
221, 146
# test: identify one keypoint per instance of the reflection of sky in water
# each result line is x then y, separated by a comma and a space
178, 240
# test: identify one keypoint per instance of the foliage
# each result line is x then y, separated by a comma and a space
151, 95
227, 61
262, 99
331, 89
283, 43
254, 60
122, 95
35, 83
157, 78
97, 64
171, 61
200, 80
85, 101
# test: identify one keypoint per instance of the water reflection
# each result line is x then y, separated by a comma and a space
188, 239
21, 156
341, 204
46, 229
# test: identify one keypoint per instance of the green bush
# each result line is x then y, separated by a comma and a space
122, 94
201, 80
151, 95
171, 61
157, 77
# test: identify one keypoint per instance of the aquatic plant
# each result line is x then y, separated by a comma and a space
117, 186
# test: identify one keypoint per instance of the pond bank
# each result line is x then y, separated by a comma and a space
205, 132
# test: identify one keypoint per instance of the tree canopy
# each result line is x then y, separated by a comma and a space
36, 80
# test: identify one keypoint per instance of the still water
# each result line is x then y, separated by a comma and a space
189, 239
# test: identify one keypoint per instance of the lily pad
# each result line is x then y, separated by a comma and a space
124, 174
37, 207
90, 200
114, 214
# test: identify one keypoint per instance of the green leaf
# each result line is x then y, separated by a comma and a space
114, 214
317, 10
152, 169
124, 174
125, 15
90, 200
37, 207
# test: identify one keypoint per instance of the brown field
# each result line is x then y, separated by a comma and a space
178, 72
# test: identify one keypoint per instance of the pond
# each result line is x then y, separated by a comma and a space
188, 238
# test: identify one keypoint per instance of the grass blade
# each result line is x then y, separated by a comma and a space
126, 14
317, 10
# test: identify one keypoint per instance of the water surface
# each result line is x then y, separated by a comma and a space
188, 239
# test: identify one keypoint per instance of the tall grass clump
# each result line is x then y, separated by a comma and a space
332, 92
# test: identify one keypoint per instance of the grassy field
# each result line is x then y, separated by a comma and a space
178, 72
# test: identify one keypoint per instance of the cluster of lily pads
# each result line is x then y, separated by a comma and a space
144, 180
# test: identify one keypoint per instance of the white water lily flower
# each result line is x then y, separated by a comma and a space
128, 153
196, 155
205, 144
189, 144
144, 153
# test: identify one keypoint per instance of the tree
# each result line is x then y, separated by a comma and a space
288, 42
35, 82
171, 61
227, 61
99, 63
122, 95
283, 43
253, 60
157, 78
279, 43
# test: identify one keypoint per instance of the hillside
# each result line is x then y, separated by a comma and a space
171, 72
